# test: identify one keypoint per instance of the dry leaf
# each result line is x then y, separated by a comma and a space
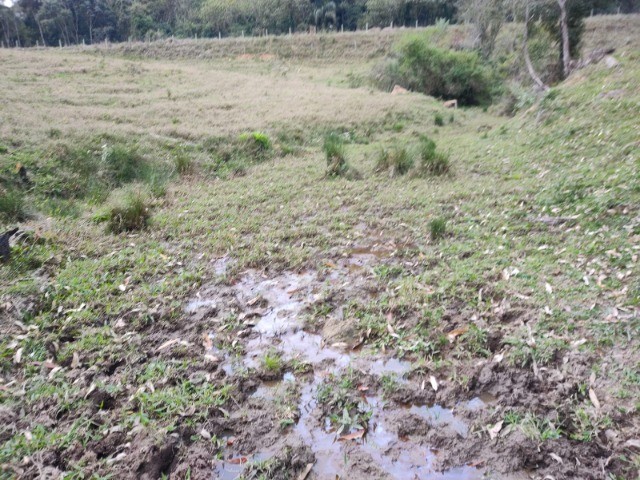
556, 457
204, 434
18, 356
594, 398
75, 363
363, 388
253, 301
456, 333
305, 472
498, 357
548, 288
206, 341
122, 288
495, 430
352, 436
168, 344
633, 442
238, 461
434, 382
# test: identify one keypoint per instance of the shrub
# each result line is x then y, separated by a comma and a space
422, 67
432, 162
128, 210
397, 160
437, 229
438, 119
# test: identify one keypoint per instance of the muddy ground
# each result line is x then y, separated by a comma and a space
405, 418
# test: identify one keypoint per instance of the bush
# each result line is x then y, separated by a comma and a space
397, 161
128, 210
432, 162
439, 72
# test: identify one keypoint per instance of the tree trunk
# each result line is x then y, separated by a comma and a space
44, 44
564, 28
527, 59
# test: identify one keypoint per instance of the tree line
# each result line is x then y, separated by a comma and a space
67, 22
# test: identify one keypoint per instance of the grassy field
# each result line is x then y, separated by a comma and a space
273, 322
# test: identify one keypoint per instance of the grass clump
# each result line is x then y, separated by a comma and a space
437, 229
272, 362
337, 165
122, 163
128, 210
438, 119
12, 205
256, 145
431, 161
396, 160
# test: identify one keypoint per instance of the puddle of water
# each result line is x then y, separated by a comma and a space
199, 303
390, 366
481, 401
269, 390
285, 295
437, 415
300, 345
231, 470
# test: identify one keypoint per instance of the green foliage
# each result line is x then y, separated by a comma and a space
422, 67
272, 361
122, 163
438, 119
256, 145
437, 229
397, 160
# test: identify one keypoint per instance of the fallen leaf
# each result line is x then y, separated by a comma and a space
633, 442
456, 333
207, 343
75, 363
498, 357
556, 457
17, 358
305, 472
594, 398
495, 430
212, 358
168, 344
237, 461
230, 441
352, 436
122, 288
548, 288
363, 388
204, 434
253, 301
434, 382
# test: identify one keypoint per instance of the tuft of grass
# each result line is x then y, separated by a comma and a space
337, 165
123, 163
438, 119
396, 160
127, 210
272, 361
437, 229
183, 163
431, 161
256, 145
12, 205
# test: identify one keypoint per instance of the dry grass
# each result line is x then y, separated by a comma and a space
179, 100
